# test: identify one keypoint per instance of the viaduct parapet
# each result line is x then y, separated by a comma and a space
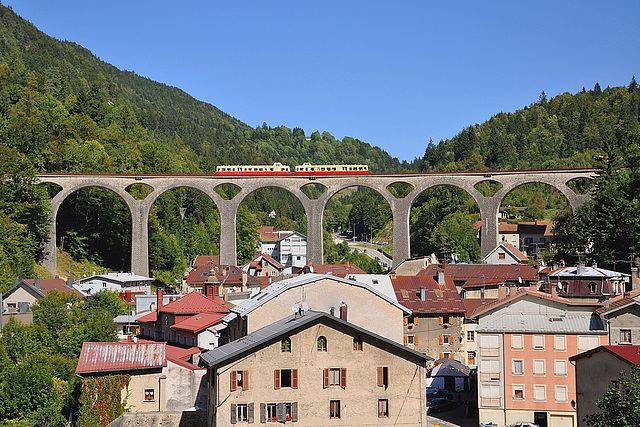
314, 209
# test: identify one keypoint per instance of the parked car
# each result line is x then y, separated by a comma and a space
434, 392
524, 424
441, 404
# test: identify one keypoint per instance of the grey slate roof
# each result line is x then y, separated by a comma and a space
588, 323
288, 326
276, 288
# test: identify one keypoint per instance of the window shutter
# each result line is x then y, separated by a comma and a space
276, 379
406, 341
441, 322
294, 411
325, 378
380, 376
234, 413
415, 340
263, 412
405, 320
234, 380
441, 339
250, 412
415, 320
280, 412
343, 377
441, 355
294, 378
245, 380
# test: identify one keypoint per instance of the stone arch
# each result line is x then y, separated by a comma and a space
475, 198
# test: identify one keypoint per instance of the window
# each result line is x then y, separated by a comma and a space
239, 380
625, 336
561, 393
446, 339
445, 355
241, 412
285, 345
383, 408
446, 319
149, 395
560, 342
470, 336
593, 287
410, 340
382, 376
539, 393
489, 370
271, 414
357, 343
334, 409
285, 378
538, 367
277, 412
518, 392
471, 357
516, 341
538, 342
587, 342
489, 345
501, 255
322, 344
334, 377
518, 367
560, 368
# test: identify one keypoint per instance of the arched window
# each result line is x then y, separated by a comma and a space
285, 345
593, 287
322, 344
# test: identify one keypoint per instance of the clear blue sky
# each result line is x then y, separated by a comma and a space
393, 74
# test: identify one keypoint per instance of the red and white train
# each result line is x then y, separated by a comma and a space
280, 169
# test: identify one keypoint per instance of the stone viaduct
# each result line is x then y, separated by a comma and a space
314, 209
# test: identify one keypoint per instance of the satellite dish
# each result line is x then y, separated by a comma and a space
305, 306
519, 279
295, 308
560, 285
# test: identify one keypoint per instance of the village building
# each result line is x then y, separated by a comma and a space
288, 248
435, 326
350, 300
505, 253
315, 369
412, 266
230, 282
483, 281
263, 265
114, 281
622, 316
161, 376
585, 282
525, 341
609, 362
339, 270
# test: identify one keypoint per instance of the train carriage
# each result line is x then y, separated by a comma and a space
309, 169
249, 170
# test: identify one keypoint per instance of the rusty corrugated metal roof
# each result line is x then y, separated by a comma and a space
439, 298
121, 356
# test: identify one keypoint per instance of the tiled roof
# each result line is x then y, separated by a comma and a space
519, 255
266, 257
194, 303
474, 275
149, 318
291, 325
47, 285
628, 353
471, 304
206, 260
439, 298
120, 356
506, 227
520, 293
229, 273
615, 305
199, 322
539, 227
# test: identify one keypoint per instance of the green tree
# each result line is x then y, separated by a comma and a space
620, 403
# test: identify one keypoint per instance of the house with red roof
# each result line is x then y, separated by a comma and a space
229, 282
505, 253
263, 265
610, 362
435, 325
17, 301
162, 377
195, 320
483, 280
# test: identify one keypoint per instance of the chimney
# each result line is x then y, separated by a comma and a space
634, 278
208, 291
69, 281
423, 294
243, 287
37, 283
502, 292
16, 280
160, 300
554, 289
440, 277
580, 269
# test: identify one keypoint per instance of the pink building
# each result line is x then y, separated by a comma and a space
525, 341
